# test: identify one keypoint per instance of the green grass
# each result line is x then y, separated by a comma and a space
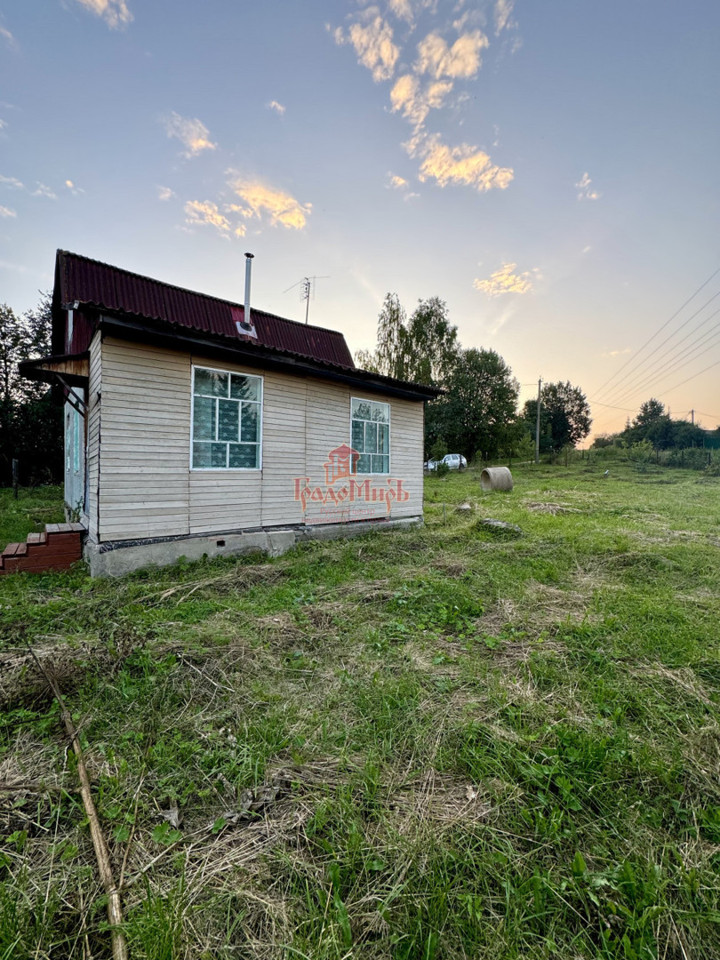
29, 513
427, 744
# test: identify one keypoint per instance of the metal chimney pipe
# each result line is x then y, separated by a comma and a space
248, 272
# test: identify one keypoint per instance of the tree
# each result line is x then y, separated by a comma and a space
432, 349
654, 424
30, 418
564, 416
477, 411
422, 350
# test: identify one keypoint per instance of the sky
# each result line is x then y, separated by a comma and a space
549, 169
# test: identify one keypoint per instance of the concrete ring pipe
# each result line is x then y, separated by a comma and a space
496, 478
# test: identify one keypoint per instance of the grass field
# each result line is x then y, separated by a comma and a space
29, 513
450, 742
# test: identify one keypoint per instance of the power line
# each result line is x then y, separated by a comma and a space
658, 373
610, 405
669, 352
700, 373
658, 332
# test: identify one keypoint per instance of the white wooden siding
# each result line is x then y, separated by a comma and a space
145, 442
284, 407
147, 488
93, 432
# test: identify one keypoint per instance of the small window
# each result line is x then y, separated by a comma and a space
227, 417
370, 435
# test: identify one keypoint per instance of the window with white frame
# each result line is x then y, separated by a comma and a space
226, 420
370, 435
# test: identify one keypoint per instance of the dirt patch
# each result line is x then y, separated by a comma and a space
502, 613
280, 629
552, 508
449, 568
23, 674
547, 604
438, 800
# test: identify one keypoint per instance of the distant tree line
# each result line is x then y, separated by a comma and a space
654, 428
31, 429
477, 413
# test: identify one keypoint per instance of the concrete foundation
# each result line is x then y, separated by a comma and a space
119, 557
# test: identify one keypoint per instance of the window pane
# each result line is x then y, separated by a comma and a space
361, 409
244, 388
358, 436
228, 424
383, 438
380, 464
381, 412
203, 419
371, 438
250, 423
218, 454
201, 456
243, 455
211, 383
364, 464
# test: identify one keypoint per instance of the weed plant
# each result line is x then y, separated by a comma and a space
414, 745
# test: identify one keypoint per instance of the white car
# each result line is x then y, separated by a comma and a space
455, 461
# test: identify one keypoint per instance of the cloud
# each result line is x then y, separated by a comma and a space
394, 182
6, 212
263, 202
464, 165
461, 60
8, 37
615, 353
505, 280
12, 182
373, 44
277, 107
114, 12
42, 190
192, 133
402, 9
587, 249
73, 188
503, 13
410, 99
428, 83
585, 191
206, 213
165, 193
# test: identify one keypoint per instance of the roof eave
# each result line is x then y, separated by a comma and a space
74, 369
256, 355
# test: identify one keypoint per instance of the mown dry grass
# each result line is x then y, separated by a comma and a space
430, 744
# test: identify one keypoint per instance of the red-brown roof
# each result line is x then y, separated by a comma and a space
107, 288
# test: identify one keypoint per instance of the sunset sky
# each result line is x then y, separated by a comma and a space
550, 169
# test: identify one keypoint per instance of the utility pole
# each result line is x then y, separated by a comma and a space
308, 288
306, 295
692, 417
537, 424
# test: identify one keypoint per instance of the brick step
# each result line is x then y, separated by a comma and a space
57, 548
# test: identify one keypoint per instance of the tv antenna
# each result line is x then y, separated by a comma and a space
308, 287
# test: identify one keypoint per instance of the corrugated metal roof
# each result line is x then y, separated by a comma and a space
119, 291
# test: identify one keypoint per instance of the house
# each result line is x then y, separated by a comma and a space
195, 426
